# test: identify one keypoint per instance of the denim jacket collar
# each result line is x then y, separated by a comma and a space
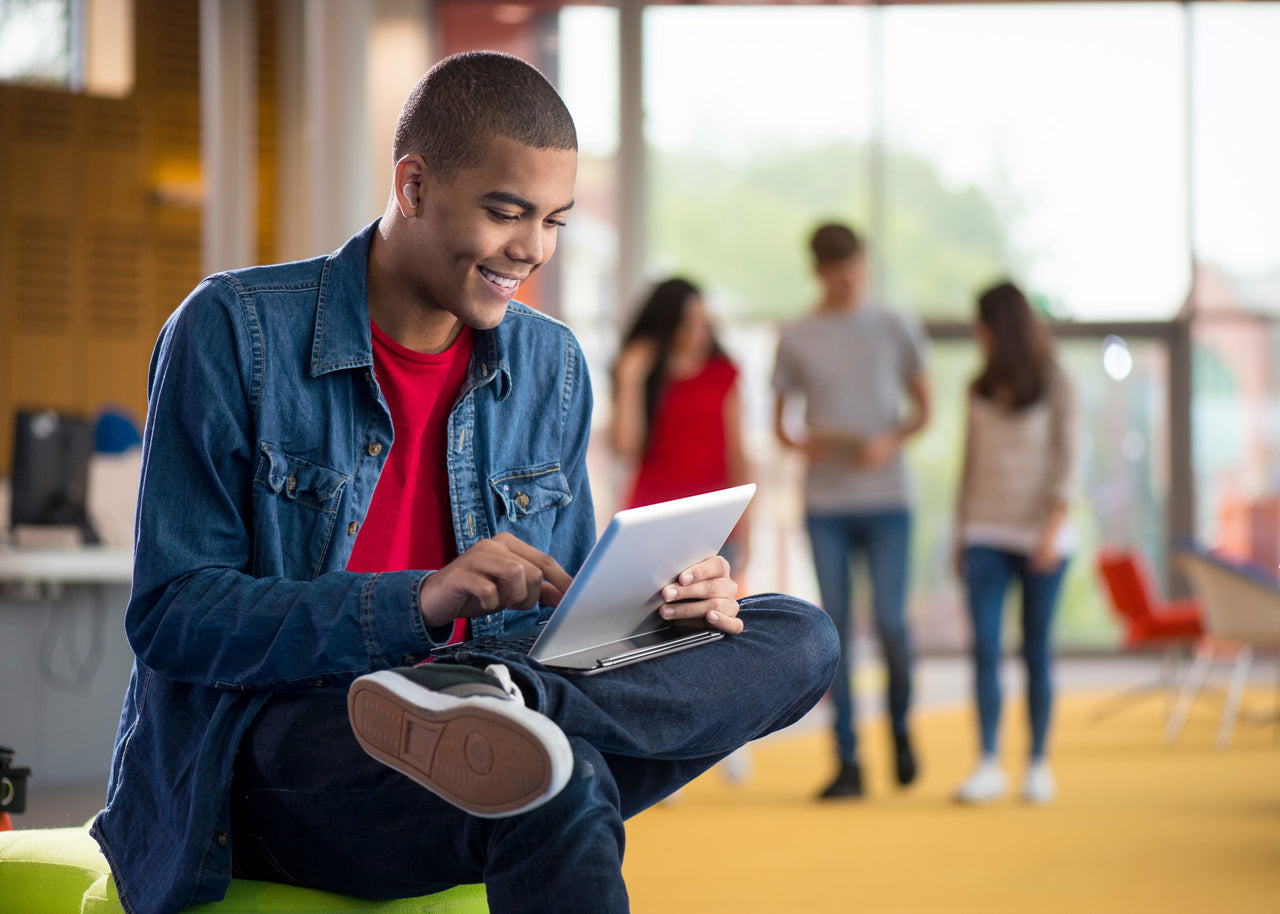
342, 338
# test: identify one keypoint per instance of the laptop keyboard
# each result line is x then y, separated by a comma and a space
520, 643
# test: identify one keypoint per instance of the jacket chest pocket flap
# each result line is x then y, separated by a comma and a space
525, 492
299, 481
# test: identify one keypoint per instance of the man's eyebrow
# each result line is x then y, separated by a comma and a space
502, 196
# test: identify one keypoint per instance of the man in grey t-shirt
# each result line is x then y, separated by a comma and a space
854, 365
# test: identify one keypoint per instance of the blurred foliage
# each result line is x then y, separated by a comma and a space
741, 227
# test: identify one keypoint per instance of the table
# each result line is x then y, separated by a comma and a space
64, 660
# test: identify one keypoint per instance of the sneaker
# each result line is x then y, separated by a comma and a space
736, 766
904, 759
463, 733
987, 784
1039, 786
847, 785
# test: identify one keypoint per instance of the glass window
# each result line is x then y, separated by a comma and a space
1235, 422
77, 45
1236, 144
753, 138
587, 61
1044, 141
36, 42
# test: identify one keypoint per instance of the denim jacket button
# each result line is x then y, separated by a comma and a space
352, 528
522, 500
375, 449
222, 839
291, 483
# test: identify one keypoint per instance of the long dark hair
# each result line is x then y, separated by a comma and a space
1021, 359
658, 319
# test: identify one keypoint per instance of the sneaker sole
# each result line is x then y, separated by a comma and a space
489, 757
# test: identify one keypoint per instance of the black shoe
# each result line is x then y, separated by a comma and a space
847, 785
904, 759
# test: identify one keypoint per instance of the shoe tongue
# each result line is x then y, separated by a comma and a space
477, 690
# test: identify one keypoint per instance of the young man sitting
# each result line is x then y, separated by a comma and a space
327, 496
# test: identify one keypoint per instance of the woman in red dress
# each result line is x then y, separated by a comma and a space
676, 408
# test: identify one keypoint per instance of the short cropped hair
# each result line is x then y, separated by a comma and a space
834, 242
465, 100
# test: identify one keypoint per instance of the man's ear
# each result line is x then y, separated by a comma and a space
409, 184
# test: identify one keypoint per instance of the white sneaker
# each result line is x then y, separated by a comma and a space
463, 733
987, 784
736, 766
1039, 786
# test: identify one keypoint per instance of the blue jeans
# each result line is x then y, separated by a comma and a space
309, 807
988, 573
885, 538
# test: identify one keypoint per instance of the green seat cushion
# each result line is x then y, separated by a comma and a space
62, 871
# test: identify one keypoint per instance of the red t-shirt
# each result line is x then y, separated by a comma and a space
409, 524
687, 450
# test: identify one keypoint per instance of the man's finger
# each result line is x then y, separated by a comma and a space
548, 567
730, 625
720, 613
717, 566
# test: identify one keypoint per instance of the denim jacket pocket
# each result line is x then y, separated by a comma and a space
296, 504
524, 498
299, 481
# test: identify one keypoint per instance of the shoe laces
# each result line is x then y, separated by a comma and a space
500, 672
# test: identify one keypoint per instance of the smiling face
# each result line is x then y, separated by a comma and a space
469, 243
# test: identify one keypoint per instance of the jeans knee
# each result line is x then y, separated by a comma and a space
817, 642
591, 792
795, 635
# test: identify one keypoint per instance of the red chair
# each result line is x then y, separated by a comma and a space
1149, 622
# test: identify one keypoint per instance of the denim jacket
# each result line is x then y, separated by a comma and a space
265, 435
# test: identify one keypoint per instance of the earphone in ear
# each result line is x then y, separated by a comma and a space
408, 196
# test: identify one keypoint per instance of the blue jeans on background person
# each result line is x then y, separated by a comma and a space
309, 807
988, 573
885, 538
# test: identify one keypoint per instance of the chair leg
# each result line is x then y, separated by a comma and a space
1239, 675
1113, 704
1170, 668
1190, 689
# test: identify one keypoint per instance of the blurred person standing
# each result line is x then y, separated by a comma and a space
1011, 519
677, 415
677, 412
854, 363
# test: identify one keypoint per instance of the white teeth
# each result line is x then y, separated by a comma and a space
507, 284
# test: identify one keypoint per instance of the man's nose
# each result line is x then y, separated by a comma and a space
528, 245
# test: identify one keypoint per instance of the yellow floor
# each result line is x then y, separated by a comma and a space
1138, 826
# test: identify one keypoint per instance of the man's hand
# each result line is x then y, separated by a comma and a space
704, 591
878, 450
497, 573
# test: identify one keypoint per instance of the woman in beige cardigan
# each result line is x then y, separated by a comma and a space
1012, 521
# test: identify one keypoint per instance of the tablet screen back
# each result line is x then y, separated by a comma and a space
616, 594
